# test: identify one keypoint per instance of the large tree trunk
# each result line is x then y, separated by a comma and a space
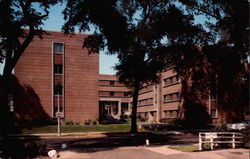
5, 122
134, 108
4, 113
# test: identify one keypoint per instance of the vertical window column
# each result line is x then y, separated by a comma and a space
58, 79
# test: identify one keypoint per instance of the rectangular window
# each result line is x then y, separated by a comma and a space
115, 109
171, 113
213, 94
111, 83
171, 97
167, 114
213, 113
168, 81
58, 89
177, 78
124, 107
111, 94
125, 94
58, 48
58, 69
171, 80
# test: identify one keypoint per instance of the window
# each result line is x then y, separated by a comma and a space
171, 97
58, 89
177, 78
111, 94
147, 101
213, 113
171, 113
213, 94
111, 83
167, 114
171, 80
58, 69
58, 48
115, 109
124, 107
125, 94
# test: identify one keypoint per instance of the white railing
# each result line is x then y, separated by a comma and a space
219, 138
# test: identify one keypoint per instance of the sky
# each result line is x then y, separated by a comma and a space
106, 62
55, 22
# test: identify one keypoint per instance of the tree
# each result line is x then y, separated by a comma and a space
20, 21
138, 32
226, 73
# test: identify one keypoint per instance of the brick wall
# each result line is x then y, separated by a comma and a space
35, 68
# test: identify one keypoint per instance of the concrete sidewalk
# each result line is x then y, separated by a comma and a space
143, 152
216, 154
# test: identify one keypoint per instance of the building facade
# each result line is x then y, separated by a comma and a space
114, 97
62, 74
58, 75
164, 101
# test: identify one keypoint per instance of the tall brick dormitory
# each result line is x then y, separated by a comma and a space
57, 74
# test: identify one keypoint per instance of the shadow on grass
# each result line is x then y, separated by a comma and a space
27, 113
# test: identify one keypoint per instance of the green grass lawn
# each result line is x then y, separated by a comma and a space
185, 148
79, 128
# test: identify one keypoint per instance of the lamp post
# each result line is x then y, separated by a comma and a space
58, 115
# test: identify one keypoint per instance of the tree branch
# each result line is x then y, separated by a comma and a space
200, 10
28, 39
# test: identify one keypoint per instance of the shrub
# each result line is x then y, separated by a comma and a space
145, 119
123, 118
175, 123
154, 127
76, 123
68, 122
94, 123
246, 136
164, 120
87, 122
90, 122
206, 146
221, 126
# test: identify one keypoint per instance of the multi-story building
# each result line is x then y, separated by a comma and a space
164, 101
62, 77
62, 74
114, 97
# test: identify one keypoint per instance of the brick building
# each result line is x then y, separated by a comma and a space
164, 101
57, 74
62, 74
155, 102
114, 97
161, 100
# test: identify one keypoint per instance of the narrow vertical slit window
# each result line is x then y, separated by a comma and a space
58, 69
58, 89
58, 48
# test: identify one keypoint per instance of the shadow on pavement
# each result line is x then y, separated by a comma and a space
115, 140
